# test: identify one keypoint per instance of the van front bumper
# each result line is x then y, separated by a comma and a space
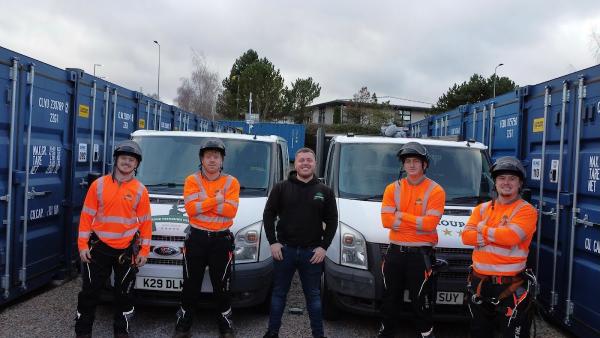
250, 285
361, 291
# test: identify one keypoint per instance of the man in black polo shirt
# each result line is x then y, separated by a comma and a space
302, 205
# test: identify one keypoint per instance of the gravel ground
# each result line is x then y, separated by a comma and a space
51, 312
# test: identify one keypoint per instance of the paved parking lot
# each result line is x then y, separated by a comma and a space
51, 314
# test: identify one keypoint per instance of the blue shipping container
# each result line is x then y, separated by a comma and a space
56, 127
554, 129
294, 134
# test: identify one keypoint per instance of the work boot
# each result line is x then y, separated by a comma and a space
387, 329
270, 334
184, 324
226, 324
83, 325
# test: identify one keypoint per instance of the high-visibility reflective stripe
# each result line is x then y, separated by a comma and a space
516, 209
480, 241
191, 197
228, 182
432, 232
396, 225
232, 203
84, 234
388, 210
138, 195
513, 252
106, 234
99, 191
198, 207
202, 192
483, 208
220, 207
491, 234
515, 267
145, 218
397, 195
419, 222
520, 232
213, 219
430, 188
145, 242
412, 243
116, 219
89, 211
433, 212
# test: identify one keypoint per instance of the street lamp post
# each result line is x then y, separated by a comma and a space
96, 65
158, 90
494, 87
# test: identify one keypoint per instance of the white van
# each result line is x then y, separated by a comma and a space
258, 162
358, 170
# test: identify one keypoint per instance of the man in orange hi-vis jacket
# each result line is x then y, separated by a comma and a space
115, 221
411, 209
501, 230
211, 201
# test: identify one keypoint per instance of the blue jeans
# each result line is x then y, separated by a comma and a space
297, 258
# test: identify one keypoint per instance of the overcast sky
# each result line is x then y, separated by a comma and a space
413, 50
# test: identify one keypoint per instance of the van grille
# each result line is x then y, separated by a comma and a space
163, 261
459, 260
168, 238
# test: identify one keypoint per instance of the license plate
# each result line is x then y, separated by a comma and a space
162, 284
443, 297
451, 298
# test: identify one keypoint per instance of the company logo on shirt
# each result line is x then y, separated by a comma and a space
419, 201
128, 197
319, 196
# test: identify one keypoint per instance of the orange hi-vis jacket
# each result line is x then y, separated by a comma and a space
115, 212
203, 209
501, 236
412, 211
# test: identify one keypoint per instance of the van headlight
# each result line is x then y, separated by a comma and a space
247, 242
353, 247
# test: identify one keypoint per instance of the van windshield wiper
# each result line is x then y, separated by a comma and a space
253, 188
371, 198
467, 199
166, 184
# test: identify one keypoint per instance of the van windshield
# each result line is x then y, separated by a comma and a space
366, 169
167, 161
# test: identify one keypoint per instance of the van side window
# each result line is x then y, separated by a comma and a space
280, 169
329, 166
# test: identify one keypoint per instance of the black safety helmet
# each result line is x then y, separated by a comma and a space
413, 149
212, 143
128, 147
508, 165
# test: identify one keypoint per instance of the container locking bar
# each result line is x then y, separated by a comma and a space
586, 221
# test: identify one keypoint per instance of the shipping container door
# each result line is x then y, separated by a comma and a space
43, 159
8, 112
583, 305
504, 126
454, 123
547, 127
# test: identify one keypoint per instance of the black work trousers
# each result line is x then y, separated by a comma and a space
105, 260
214, 250
510, 317
407, 269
